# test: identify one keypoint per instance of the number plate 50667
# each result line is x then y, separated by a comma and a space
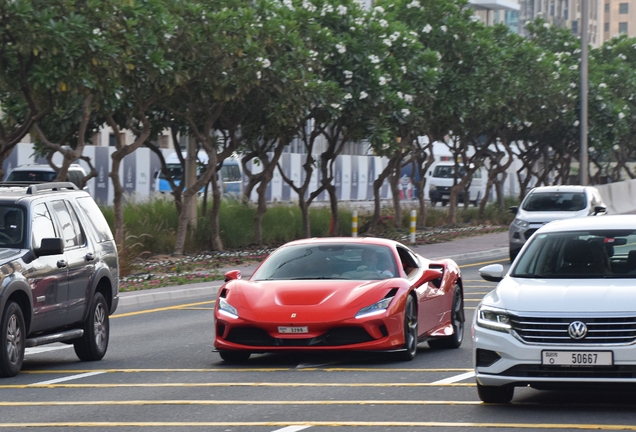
576, 358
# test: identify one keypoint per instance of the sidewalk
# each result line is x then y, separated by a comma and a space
487, 246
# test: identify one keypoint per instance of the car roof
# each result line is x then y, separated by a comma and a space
610, 222
345, 240
560, 188
14, 191
41, 167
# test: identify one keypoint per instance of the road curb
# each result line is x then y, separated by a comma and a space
471, 256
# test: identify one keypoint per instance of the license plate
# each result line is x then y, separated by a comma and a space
577, 358
293, 330
445, 196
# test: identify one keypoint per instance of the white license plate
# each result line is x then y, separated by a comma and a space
445, 196
577, 358
293, 330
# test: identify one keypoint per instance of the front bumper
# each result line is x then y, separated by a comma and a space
519, 363
374, 333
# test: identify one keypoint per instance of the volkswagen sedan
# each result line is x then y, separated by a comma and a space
564, 315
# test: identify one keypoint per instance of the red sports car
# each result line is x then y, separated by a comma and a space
355, 294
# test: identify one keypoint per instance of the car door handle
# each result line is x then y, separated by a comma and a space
90, 257
61, 264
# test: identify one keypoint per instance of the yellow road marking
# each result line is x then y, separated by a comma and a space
79, 371
238, 402
483, 263
566, 426
182, 306
230, 384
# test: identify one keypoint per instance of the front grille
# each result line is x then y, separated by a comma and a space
553, 330
538, 371
253, 336
529, 233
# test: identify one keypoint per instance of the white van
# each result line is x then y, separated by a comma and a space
230, 175
441, 180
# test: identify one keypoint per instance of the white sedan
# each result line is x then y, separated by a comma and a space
564, 315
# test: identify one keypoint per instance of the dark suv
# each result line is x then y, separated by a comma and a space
59, 272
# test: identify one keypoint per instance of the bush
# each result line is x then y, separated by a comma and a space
150, 226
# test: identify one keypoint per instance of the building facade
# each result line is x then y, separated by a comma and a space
619, 17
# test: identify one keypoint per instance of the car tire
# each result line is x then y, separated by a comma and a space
444, 203
94, 343
458, 322
410, 330
12, 337
235, 356
492, 394
433, 203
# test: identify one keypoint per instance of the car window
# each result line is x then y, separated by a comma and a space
328, 261
12, 226
71, 230
98, 221
447, 171
580, 254
554, 201
41, 225
32, 176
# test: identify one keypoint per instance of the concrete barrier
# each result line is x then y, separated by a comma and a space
620, 197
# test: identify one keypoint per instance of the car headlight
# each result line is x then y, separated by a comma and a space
227, 309
494, 319
375, 309
521, 223
432, 187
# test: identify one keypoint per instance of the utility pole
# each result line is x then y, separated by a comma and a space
583, 168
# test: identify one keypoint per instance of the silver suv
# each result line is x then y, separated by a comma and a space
59, 272
548, 203
44, 173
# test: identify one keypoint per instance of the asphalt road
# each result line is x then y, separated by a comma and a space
160, 374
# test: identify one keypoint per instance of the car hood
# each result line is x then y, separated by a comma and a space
310, 300
564, 295
545, 217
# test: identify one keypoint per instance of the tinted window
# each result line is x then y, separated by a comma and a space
230, 173
329, 261
95, 215
447, 171
580, 254
12, 232
42, 225
32, 176
554, 201
71, 231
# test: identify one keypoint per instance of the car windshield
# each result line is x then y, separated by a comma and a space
12, 229
579, 254
447, 171
554, 201
32, 176
328, 261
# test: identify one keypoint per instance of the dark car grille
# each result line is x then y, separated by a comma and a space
253, 336
606, 330
537, 371
529, 233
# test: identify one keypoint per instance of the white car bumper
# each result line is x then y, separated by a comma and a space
520, 363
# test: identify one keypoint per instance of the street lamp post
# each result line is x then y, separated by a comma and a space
583, 168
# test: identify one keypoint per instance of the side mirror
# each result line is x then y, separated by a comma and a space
513, 209
431, 275
232, 275
50, 246
600, 209
492, 273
